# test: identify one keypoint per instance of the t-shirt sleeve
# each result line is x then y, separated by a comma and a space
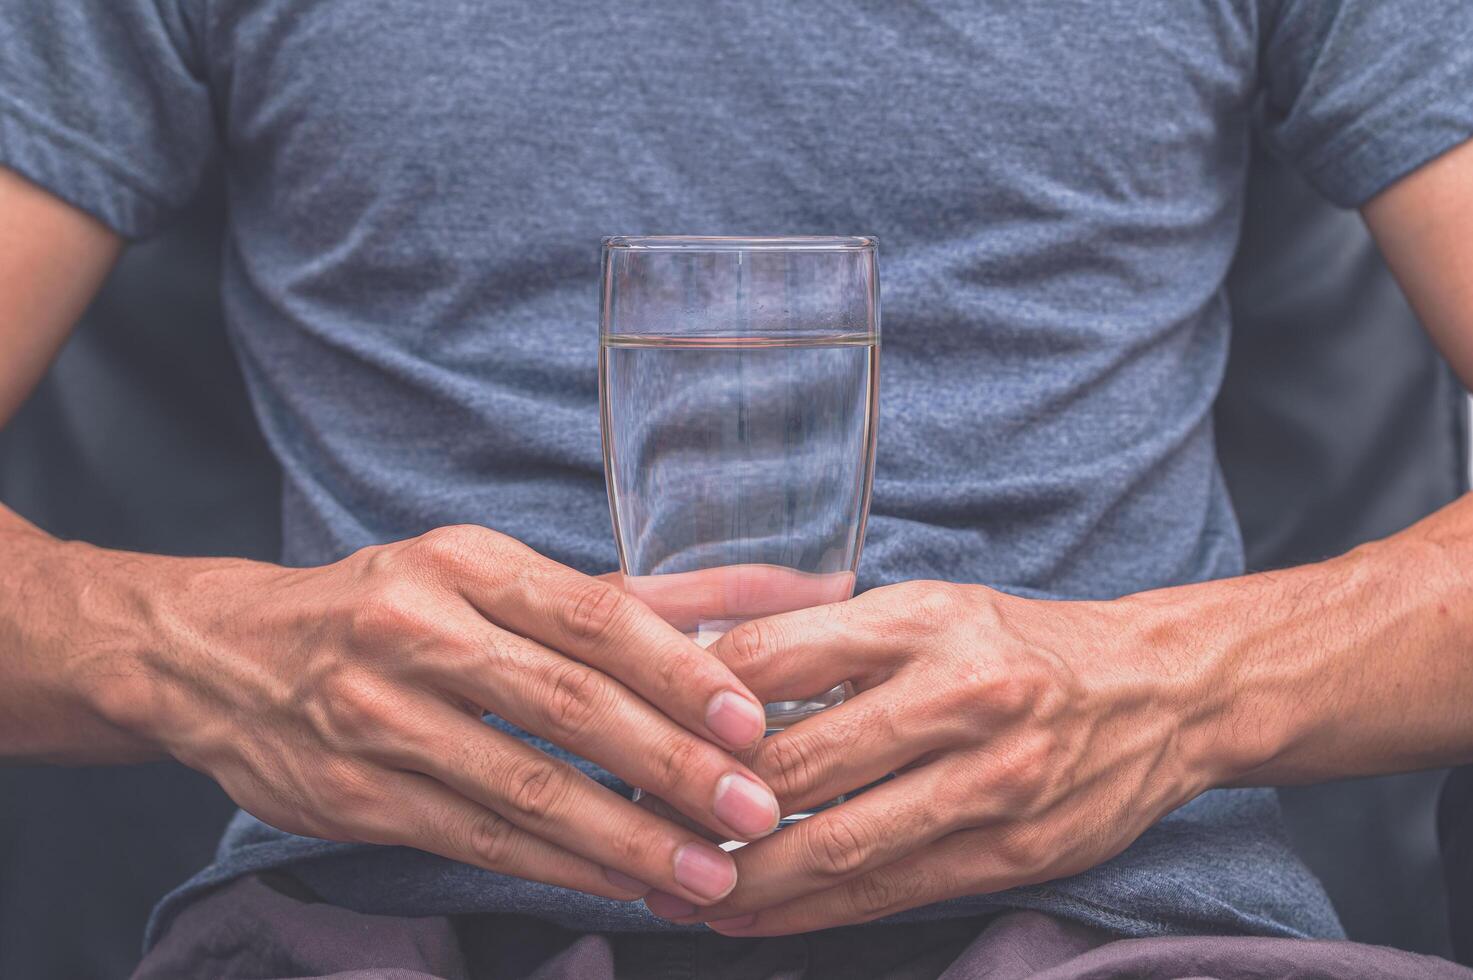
1358, 93
104, 103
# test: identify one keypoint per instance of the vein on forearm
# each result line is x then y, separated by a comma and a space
51, 651
1358, 665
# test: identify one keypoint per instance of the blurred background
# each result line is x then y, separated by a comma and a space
1337, 424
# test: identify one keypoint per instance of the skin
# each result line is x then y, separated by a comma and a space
344, 701
1031, 739
1035, 739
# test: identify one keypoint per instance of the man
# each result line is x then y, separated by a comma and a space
1058, 190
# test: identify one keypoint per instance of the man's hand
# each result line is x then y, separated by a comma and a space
345, 701
1036, 739
1030, 739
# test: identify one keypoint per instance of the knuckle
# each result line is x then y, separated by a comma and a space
1007, 693
838, 847
932, 605
391, 609
674, 672
373, 561
748, 644
356, 708
1021, 850
450, 546
1018, 782
677, 759
573, 702
490, 839
349, 792
533, 789
632, 848
594, 609
789, 763
881, 893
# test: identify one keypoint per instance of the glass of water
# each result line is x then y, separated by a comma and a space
738, 389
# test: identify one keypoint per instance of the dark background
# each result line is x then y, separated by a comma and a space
1337, 424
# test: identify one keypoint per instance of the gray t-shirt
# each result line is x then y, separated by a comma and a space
416, 195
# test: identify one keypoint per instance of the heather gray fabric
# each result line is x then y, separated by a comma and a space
410, 282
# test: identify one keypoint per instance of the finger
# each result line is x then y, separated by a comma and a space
848, 746
954, 866
552, 800
598, 624
799, 654
420, 812
873, 896
876, 828
735, 593
663, 810
581, 710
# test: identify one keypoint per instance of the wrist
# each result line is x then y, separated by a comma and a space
152, 627
1269, 654
105, 641
59, 658
1200, 641
1348, 667
1143, 676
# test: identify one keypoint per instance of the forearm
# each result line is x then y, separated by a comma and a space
80, 632
57, 649
1358, 665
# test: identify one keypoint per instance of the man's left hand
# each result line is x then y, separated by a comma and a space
1029, 739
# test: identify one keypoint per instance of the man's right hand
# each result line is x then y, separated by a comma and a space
344, 702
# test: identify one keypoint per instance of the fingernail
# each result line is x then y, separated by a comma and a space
735, 720
705, 870
725, 925
620, 880
745, 805
667, 906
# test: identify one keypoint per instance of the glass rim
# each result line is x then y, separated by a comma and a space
729, 243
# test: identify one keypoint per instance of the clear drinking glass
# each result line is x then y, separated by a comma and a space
738, 382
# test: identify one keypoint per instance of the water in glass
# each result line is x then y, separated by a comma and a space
738, 472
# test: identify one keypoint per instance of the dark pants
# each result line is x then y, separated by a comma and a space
260, 928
